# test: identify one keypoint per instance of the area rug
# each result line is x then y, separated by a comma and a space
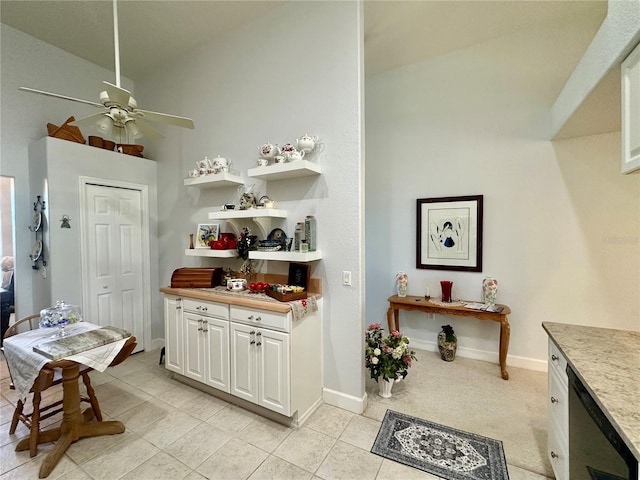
439, 450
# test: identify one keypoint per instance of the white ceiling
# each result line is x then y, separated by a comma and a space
397, 32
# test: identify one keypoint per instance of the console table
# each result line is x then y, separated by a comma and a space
423, 304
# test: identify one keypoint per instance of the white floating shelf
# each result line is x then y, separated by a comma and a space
287, 256
248, 213
279, 171
214, 180
207, 252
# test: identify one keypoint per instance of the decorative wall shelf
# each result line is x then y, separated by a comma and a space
249, 213
215, 180
299, 168
287, 256
207, 252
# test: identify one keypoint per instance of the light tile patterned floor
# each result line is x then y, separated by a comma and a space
176, 432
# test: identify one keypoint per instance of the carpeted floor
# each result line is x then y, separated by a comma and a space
439, 450
470, 395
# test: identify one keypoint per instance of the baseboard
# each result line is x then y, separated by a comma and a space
483, 355
344, 401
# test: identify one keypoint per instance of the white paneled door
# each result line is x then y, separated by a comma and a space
113, 253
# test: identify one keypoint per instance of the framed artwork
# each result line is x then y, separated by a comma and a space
206, 233
449, 233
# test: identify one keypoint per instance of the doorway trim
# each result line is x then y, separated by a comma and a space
146, 245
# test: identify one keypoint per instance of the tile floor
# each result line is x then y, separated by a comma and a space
176, 432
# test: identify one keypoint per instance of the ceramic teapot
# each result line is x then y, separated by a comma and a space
221, 164
306, 143
268, 151
204, 165
237, 284
295, 155
287, 148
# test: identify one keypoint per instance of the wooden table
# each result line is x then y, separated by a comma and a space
423, 304
75, 424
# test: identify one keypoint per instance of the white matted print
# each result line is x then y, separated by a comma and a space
449, 233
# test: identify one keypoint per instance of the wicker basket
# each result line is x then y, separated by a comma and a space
66, 131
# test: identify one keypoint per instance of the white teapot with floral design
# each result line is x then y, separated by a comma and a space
306, 143
268, 151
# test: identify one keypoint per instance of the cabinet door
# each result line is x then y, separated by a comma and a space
274, 360
244, 382
194, 347
216, 335
174, 345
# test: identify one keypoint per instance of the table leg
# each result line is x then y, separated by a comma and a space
505, 334
73, 426
389, 318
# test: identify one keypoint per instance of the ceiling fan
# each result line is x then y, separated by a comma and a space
120, 110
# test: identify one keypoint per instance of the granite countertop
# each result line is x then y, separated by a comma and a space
242, 299
607, 361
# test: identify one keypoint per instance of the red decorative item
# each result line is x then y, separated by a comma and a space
446, 290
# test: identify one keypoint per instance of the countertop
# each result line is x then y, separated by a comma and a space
607, 361
242, 299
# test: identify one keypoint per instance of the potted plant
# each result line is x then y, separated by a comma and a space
388, 357
447, 343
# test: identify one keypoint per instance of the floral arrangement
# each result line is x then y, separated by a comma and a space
450, 335
246, 243
389, 356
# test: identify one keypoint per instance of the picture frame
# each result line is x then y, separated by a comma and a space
299, 274
207, 232
449, 233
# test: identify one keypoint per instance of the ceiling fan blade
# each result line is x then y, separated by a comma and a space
183, 122
147, 130
117, 94
91, 120
64, 97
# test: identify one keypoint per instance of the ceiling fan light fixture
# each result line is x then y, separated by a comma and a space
132, 130
105, 126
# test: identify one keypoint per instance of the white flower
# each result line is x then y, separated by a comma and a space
377, 352
374, 360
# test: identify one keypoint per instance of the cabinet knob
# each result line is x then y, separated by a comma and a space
554, 358
554, 454
253, 342
259, 334
554, 400
258, 344
250, 317
198, 307
258, 319
252, 332
199, 329
204, 309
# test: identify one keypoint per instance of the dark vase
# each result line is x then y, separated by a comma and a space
446, 348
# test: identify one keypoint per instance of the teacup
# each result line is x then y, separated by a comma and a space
278, 159
263, 162
194, 173
236, 284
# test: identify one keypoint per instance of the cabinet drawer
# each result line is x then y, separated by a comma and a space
558, 404
557, 361
220, 310
261, 318
557, 449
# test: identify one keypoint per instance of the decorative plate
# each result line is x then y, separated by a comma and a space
277, 235
36, 251
36, 221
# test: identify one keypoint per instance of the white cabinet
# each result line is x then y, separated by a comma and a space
174, 343
558, 410
630, 73
206, 341
261, 358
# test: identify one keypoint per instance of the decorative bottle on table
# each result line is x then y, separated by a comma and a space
402, 284
490, 290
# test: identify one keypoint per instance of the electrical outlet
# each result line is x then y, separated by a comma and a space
346, 277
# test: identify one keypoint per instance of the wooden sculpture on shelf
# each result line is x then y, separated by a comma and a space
66, 131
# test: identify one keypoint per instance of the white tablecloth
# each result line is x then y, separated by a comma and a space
25, 364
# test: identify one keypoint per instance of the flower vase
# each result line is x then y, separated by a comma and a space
447, 349
402, 284
490, 290
385, 385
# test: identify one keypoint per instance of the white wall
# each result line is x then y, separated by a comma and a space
294, 71
561, 223
26, 61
